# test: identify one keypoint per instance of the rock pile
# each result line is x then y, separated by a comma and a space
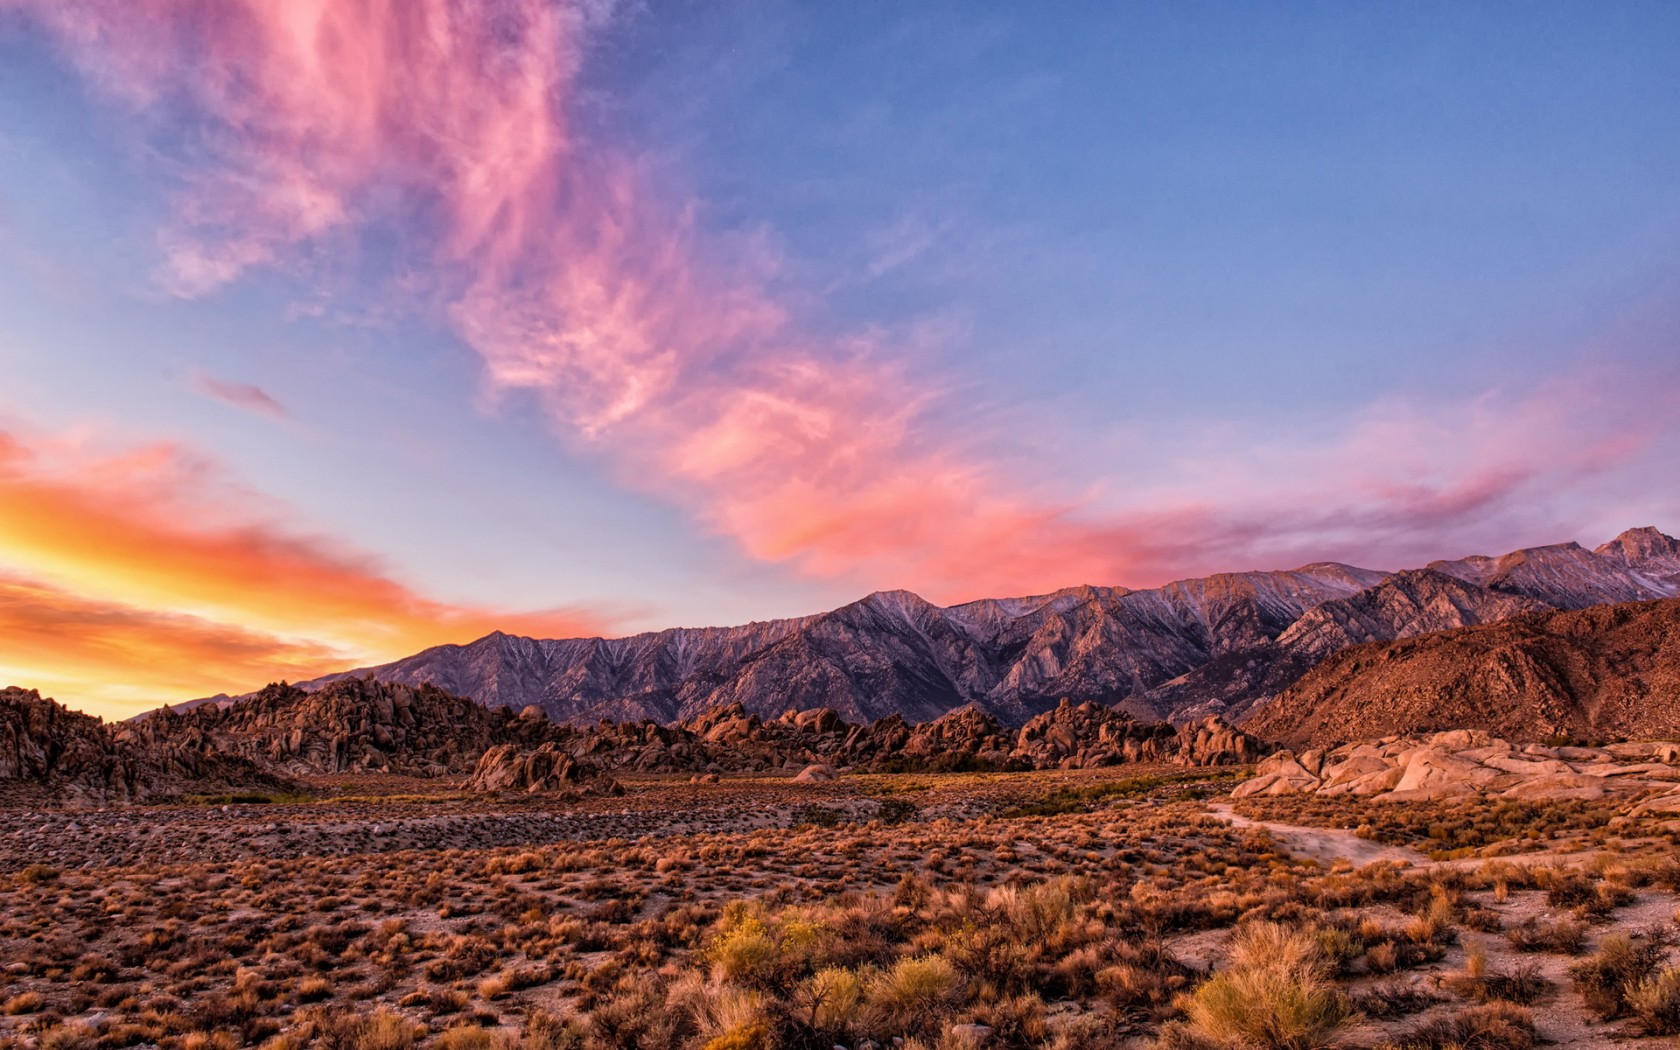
1467, 763
352, 725
364, 726
545, 769
71, 757
1088, 736
43, 742
1215, 742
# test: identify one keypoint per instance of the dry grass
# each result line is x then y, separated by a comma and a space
1010, 911
1274, 995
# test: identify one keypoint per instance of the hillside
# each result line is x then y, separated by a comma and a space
1605, 671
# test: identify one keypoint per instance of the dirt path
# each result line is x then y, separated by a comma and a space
1328, 845
1325, 845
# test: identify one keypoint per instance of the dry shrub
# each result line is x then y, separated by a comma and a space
70, 1037
1620, 964
913, 994
1654, 1002
313, 989
23, 1003
1386, 1001
463, 1037
717, 1009
755, 1036
1490, 1026
1274, 995
635, 1015
545, 1031
383, 1029
828, 1001
1522, 985
1565, 936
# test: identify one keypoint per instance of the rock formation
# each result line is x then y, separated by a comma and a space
351, 725
545, 769
1470, 764
67, 756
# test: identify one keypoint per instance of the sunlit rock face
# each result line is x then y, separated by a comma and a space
1608, 671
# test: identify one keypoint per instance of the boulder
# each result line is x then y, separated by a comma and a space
1464, 763
546, 769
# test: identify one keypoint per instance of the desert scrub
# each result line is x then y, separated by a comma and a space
1563, 936
1492, 1026
1442, 827
749, 948
1085, 797
1621, 964
913, 995
1274, 994
1523, 984
1654, 1002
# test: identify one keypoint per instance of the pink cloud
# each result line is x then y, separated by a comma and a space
239, 395
578, 282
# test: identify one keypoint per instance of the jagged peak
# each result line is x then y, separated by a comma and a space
1641, 542
895, 598
899, 603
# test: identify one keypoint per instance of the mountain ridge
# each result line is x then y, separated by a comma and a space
1213, 645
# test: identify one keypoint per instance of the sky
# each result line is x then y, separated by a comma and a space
334, 329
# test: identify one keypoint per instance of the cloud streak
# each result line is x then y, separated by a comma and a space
243, 396
578, 281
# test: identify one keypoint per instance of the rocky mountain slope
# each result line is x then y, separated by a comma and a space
1410, 603
890, 653
1183, 651
1608, 670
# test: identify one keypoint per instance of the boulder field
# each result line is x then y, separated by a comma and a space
1466, 763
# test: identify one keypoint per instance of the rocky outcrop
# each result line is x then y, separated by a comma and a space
1090, 735
45, 743
1606, 671
67, 756
1215, 645
1215, 742
351, 725
1473, 764
546, 769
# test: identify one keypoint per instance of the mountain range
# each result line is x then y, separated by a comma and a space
1218, 645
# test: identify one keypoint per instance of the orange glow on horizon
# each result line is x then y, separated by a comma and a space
131, 580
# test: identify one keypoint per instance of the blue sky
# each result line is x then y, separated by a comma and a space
814, 299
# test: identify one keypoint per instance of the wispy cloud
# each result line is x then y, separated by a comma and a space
579, 281
238, 395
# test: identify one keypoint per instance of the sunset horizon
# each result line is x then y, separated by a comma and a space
339, 331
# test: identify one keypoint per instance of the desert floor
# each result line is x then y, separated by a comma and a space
1129, 906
